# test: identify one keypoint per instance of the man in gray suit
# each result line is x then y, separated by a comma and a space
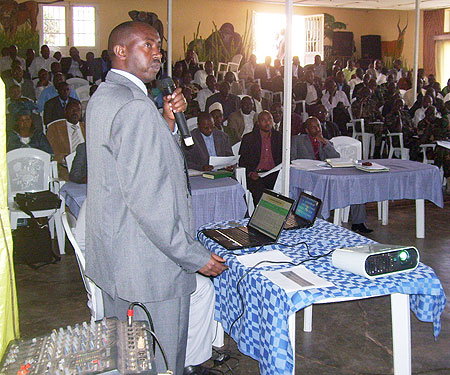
140, 242
208, 141
313, 145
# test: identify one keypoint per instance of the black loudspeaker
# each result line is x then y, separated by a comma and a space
342, 43
371, 47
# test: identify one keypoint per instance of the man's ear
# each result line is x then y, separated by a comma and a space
120, 51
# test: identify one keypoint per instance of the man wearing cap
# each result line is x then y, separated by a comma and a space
216, 112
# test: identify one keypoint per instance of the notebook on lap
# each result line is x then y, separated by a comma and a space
264, 226
305, 212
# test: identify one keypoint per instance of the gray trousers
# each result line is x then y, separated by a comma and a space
358, 213
170, 319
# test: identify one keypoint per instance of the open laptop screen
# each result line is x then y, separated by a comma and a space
270, 214
307, 207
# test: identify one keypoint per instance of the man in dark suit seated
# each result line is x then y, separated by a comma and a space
266, 73
208, 141
329, 128
17, 78
309, 91
54, 109
72, 66
261, 151
230, 102
341, 84
78, 172
314, 146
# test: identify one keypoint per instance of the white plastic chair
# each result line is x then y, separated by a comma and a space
235, 148
241, 177
424, 148
304, 114
83, 92
268, 95
368, 139
347, 147
77, 82
94, 293
30, 170
191, 123
234, 64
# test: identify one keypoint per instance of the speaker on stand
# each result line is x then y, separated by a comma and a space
371, 47
343, 43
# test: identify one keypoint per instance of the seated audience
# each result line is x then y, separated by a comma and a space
24, 134
65, 136
16, 103
356, 81
365, 83
102, 65
189, 64
319, 68
309, 91
78, 172
51, 92
242, 120
260, 151
297, 70
399, 121
350, 70
397, 70
276, 110
208, 141
192, 109
376, 96
329, 129
230, 103
13, 56
57, 55
341, 84
419, 114
41, 62
432, 129
17, 78
29, 57
216, 112
42, 83
54, 109
265, 73
201, 75
72, 66
88, 67
408, 97
205, 93
332, 97
234, 85
259, 103
376, 71
314, 146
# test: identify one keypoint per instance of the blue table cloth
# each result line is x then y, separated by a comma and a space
342, 187
212, 200
262, 332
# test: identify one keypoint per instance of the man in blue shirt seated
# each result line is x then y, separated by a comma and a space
51, 92
208, 141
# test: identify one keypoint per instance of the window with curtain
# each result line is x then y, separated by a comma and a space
442, 61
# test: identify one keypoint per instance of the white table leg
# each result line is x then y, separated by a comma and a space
219, 339
401, 333
380, 210
307, 318
384, 212
291, 323
420, 218
337, 216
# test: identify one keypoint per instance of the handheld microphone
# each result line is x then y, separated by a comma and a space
167, 86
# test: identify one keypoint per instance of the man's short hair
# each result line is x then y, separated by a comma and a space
203, 116
310, 120
120, 34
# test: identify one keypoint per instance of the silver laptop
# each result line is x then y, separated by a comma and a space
264, 226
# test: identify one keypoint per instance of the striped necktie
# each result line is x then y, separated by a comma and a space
75, 138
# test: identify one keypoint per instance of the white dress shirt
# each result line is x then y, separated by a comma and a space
200, 78
202, 96
248, 122
419, 115
338, 97
352, 83
39, 63
311, 94
75, 69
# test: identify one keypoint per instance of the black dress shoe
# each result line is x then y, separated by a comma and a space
361, 228
199, 370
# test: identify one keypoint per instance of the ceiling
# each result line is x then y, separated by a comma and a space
366, 4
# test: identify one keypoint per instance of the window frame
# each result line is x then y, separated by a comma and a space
69, 29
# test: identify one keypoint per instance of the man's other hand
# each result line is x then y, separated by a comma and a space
214, 266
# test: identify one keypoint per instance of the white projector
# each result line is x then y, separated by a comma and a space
375, 260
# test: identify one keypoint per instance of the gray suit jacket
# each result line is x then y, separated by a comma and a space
197, 155
301, 148
139, 226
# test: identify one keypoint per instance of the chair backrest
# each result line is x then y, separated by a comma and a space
95, 299
348, 147
192, 123
69, 160
237, 59
83, 92
278, 183
77, 82
235, 148
29, 169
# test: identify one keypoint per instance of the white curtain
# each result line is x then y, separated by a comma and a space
442, 62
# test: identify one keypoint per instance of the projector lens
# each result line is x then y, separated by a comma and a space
403, 256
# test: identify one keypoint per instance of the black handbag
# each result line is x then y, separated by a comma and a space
40, 200
33, 244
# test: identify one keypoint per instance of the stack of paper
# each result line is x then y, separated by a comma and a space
309, 165
340, 162
219, 162
445, 144
372, 168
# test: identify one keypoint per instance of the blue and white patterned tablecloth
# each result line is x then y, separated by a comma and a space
262, 332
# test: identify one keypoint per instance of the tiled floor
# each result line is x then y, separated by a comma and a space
347, 339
